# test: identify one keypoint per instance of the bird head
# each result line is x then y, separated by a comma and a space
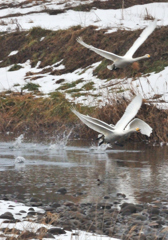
147, 56
137, 130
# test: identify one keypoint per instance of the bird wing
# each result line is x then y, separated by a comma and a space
93, 123
143, 36
103, 53
143, 126
129, 113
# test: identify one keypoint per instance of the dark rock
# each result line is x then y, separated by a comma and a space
31, 209
104, 205
106, 197
62, 191
34, 199
68, 203
36, 204
31, 213
56, 231
7, 215
122, 195
22, 211
128, 210
55, 205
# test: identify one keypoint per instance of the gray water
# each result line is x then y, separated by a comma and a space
137, 170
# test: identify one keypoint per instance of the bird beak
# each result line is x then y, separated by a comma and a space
138, 130
149, 56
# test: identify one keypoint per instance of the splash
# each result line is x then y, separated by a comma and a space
19, 159
99, 149
18, 141
61, 142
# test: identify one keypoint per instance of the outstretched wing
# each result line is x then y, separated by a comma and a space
93, 123
103, 53
143, 126
143, 36
129, 113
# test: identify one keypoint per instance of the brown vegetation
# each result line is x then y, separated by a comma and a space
62, 45
30, 115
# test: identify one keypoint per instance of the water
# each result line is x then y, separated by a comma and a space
39, 169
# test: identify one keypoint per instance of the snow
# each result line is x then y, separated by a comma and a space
19, 211
131, 18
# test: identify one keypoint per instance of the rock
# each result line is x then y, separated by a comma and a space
22, 211
34, 199
31, 213
62, 191
122, 195
69, 203
56, 231
7, 215
31, 209
129, 209
104, 205
106, 197
49, 209
56, 205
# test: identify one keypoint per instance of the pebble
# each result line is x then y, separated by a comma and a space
123, 221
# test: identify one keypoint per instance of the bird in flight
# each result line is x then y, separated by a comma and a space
124, 127
122, 61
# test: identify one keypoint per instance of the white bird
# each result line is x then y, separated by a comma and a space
122, 61
123, 128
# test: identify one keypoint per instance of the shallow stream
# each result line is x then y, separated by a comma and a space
30, 169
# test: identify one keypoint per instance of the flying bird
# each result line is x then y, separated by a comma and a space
110, 133
122, 61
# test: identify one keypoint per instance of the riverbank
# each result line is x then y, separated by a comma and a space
67, 219
26, 114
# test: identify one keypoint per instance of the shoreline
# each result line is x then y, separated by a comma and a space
115, 220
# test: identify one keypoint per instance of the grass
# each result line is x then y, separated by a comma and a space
15, 67
31, 86
88, 86
62, 44
20, 113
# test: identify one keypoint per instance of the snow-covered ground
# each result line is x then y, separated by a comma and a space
20, 211
130, 19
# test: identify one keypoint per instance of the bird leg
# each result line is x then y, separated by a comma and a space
100, 136
112, 67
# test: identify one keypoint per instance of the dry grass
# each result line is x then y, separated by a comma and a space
62, 44
27, 114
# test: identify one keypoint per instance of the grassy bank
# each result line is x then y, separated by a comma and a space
31, 115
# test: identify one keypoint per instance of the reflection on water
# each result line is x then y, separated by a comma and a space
140, 172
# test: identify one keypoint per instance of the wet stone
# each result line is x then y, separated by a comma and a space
62, 191
56, 231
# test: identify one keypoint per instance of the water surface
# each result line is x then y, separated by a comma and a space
139, 171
